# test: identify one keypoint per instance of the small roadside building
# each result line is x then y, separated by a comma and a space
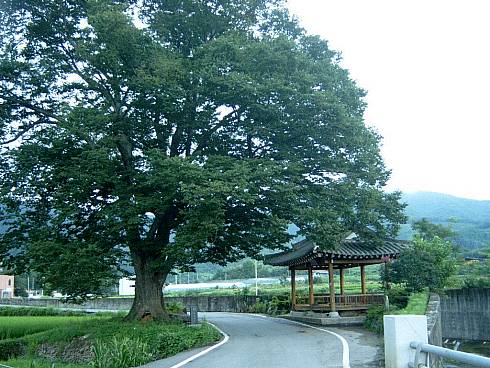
352, 252
6, 286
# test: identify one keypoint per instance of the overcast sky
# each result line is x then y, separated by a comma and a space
426, 67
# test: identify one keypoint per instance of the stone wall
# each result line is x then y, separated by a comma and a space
434, 327
204, 303
465, 314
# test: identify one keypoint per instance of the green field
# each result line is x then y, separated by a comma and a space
14, 327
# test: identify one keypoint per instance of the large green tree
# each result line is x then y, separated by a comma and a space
162, 133
426, 264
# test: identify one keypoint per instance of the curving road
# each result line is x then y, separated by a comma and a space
262, 342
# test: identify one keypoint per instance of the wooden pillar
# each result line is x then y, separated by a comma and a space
342, 281
331, 286
363, 279
293, 289
310, 281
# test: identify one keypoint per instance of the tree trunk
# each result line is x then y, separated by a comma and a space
148, 298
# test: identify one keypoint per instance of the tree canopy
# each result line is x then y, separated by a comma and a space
428, 230
426, 264
164, 133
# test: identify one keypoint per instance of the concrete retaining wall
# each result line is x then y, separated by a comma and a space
465, 314
204, 303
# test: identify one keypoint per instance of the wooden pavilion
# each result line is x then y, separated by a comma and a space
306, 255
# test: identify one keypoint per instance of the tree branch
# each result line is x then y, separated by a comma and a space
24, 131
28, 105
225, 120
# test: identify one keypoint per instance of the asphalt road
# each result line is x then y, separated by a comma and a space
262, 342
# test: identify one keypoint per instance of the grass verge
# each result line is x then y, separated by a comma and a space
99, 342
417, 304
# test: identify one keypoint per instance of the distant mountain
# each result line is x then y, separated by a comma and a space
468, 217
441, 207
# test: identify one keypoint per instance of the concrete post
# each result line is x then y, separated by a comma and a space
399, 332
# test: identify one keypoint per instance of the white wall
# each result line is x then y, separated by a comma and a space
399, 332
126, 287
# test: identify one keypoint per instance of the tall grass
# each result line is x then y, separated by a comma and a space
121, 352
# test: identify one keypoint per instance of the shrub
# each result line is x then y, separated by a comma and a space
279, 304
374, 319
12, 349
258, 307
476, 282
172, 342
175, 307
398, 296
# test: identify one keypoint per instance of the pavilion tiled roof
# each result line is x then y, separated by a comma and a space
350, 249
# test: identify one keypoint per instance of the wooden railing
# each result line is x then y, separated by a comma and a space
344, 300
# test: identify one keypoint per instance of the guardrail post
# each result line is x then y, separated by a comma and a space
399, 331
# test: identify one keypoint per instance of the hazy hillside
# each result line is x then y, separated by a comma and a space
472, 217
440, 207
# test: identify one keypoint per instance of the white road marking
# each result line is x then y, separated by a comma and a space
204, 352
345, 345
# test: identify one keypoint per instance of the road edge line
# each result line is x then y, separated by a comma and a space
345, 344
204, 352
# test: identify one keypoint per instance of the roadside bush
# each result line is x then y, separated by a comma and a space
122, 352
172, 342
374, 319
398, 296
258, 307
476, 282
279, 304
175, 308
12, 349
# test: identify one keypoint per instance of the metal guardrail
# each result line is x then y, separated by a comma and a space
459, 356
